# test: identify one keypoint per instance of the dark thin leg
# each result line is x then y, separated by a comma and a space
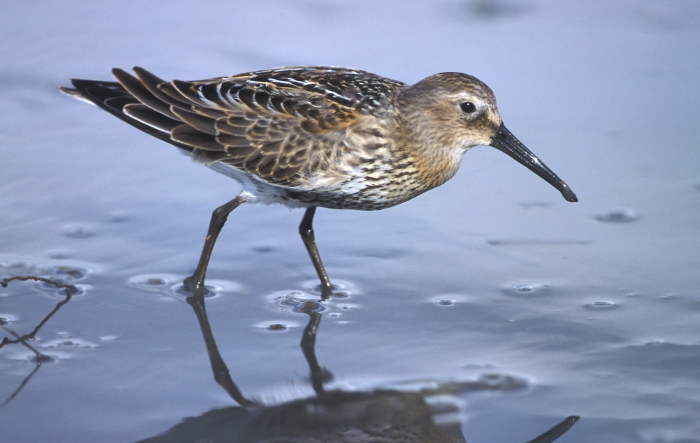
195, 284
307, 235
319, 375
218, 366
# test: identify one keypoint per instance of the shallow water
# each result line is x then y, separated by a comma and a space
595, 305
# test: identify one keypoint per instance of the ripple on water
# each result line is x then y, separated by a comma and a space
67, 275
264, 248
601, 305
338, 289
179, 291
298, 301
172, 285
73, 273
78, 230
59, 254
153, 282
120, 217
68, 343
527, 289
75, 290
8, 268
618, 215
6, 319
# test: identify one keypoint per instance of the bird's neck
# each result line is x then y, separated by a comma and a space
433, 162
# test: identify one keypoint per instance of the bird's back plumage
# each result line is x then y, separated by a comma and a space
304, 136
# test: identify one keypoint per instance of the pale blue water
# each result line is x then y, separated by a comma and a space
596, 305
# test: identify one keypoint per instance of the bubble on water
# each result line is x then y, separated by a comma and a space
601, 304
335, 315
445, 302
619, 215
76, 230
108, 338
6, 319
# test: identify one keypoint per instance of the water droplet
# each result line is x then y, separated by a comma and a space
445, 302
601, 304
335, 314
619, 215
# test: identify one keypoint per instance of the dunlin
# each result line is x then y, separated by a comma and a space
315, 136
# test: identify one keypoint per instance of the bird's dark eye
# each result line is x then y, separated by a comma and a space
468, 107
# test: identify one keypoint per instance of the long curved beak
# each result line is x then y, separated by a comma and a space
506, 142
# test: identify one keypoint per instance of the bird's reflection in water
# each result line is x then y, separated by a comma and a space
333, 416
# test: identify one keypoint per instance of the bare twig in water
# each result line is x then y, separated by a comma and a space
70, 290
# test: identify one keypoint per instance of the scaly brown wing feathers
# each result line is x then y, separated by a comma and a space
277, 124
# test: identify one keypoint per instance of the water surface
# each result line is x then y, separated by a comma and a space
594, 306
